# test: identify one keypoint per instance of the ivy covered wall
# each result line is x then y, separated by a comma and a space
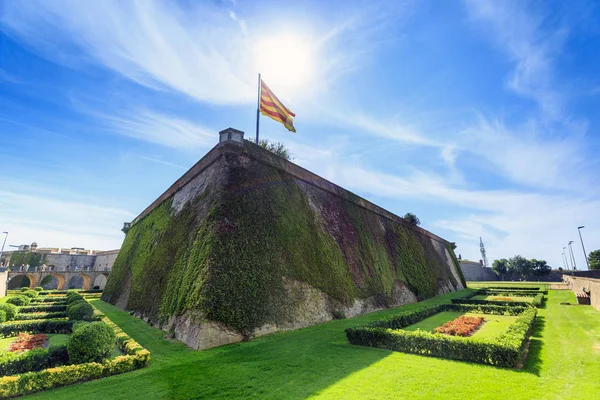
225, 253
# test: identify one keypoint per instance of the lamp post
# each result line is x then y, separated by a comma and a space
572, 256
3, 243
583, 247
564, 258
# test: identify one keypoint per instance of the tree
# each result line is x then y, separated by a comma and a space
277, 148
500, 267
520, 266
594, 259
412, 219
540, 268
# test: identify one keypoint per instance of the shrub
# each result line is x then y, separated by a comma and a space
505, 351
2, 316
35, 326
19, 300
96, 287
40, 315
82, 311
79, 324
31, 294
58, 355
73, 304
43, 308
10, 309
38, 289
73, 298
91, 343
24, 288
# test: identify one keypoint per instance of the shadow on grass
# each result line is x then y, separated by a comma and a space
533, 363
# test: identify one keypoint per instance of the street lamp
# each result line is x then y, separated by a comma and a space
572, 256
564, 258
583, 247
3, 243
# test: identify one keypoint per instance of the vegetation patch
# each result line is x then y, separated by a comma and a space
461, 326
27, 367
506, 350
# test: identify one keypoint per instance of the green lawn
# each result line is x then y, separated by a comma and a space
477, 284
496, 297
493, 326
317, 362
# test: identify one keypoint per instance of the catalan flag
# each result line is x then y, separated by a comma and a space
273, 108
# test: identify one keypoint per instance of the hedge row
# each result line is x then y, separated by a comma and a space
12, 363
137, 357
49, 315
12, 328
43, 308
46, 292
506, 351
517, 288
52, 299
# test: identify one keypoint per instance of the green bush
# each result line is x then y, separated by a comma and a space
505, 351
47, 326
82, 311
33, 316
31, 294
58, 355
10, 309
71, 305
38, 289
19, 301
24, 289
52, 299
2, 316
73, 298
43, 308
498, 303
91, 343
79, 324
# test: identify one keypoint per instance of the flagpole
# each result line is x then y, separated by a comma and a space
258, 109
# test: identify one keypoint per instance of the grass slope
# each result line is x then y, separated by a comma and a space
317, 362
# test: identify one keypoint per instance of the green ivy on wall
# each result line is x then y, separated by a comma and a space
223, 256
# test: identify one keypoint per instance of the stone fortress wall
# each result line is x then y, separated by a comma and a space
254, 219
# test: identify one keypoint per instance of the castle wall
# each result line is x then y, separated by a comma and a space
246, 243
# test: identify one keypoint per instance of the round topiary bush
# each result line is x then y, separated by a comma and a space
19, 301
2, 316
79, 324
10, 309
31, 293
69, 306
73, 298
80, 312
24, 289
38, 289
91, 343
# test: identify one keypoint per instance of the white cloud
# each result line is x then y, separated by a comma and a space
52, 221
518, 31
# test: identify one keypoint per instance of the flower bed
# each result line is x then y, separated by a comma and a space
25, 342
537, 301
502, 299
506, 351
41, 369
461, 326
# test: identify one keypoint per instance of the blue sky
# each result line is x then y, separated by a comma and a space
481, 117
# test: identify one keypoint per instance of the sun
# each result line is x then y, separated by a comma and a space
285, 60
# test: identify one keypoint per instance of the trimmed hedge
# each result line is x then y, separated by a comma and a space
137, 357
12, 363
43, 308
519, 288
31, 294
52, 299
11, 311
50, 315
38, 289
80, 311
536, 302
19, 301
2, 316
46, 292
91, 343
506, 351
8, 329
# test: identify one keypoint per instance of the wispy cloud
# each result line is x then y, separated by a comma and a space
519, 32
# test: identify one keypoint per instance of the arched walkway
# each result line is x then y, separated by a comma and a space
60, 280
80, 281
17, 281
100, 281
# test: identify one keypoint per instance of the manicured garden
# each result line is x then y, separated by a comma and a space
52, 339
318, 362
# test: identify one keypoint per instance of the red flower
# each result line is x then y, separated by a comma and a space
461, 326
26, 341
